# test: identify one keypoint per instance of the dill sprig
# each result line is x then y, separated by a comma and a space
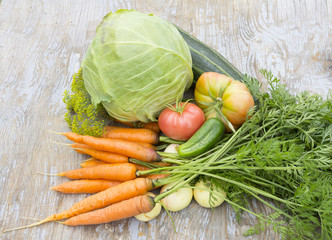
82, 116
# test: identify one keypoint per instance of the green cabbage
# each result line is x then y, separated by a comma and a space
136, 65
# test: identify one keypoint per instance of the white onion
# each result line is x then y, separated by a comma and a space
202, 196
177, 200
145, 217
172, 148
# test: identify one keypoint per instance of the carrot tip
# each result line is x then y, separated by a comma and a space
50, 131
65, 144
46, 174
158, 158
27, 226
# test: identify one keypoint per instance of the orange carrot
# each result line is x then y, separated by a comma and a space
118, 193
142, 168
85, 186
146, 145
125, 209
162, 164
102, 155
151, 125
130, 149
132, 134
92, 162
156, 176
116, 172
95, 162
128, 124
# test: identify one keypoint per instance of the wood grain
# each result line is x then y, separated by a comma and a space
41, 46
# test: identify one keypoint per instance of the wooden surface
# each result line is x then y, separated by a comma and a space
41, 46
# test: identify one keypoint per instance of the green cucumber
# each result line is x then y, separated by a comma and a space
206, 59
204, 139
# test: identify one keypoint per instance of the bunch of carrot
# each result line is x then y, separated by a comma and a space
111, 175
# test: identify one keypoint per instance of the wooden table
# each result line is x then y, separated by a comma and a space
41, 46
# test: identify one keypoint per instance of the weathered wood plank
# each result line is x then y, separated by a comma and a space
42, 44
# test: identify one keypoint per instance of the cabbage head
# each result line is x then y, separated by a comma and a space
136, 65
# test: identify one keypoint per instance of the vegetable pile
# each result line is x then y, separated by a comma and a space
281, 156
220, 148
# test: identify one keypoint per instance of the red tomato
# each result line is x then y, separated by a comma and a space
182, 121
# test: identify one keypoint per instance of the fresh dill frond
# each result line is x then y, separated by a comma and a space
82, 116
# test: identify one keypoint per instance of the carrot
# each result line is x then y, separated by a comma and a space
130, 149
151, 125
156, 176
128, 124
118, 193
116, 172
162, 164
92, 162
102, 155
146, 145
125, 209
142, 168
85, 186
95, 162
109, 196
132, 134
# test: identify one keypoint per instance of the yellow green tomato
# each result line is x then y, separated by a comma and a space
220, 95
